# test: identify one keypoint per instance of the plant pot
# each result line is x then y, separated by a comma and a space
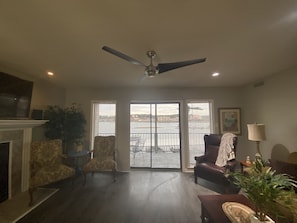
254, 219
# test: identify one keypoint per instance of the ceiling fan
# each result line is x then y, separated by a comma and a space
151, 70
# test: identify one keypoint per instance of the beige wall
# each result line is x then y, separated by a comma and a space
44, 93
222, 97
275, 105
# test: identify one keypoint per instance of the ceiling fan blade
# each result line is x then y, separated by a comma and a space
164, 67
121, 55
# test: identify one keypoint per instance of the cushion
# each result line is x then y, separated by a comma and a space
51, 174
100, 165
212, 153
46, 153
292, 157
210, 167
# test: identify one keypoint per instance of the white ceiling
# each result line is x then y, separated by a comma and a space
243, 40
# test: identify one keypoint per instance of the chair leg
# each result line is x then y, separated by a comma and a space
195, 175
31, 190
114, 175
72, 182
85, 178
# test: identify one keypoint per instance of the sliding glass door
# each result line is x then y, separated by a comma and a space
155, 135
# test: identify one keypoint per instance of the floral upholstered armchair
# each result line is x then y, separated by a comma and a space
46, 164
104, 156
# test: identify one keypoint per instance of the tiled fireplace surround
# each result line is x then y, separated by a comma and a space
19, 135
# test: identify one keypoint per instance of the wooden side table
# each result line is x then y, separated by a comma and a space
211, 206
244, 164
76, 156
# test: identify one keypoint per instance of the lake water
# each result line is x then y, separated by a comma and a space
168, 133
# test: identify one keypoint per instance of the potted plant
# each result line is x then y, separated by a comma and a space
54, 128
67, 124
267, 190
74, 127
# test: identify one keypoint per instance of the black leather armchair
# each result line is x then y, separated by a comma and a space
205, 165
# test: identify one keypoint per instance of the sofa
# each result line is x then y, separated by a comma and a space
287, 167
284, 167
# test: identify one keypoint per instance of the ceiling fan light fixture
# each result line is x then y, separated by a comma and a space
151, 71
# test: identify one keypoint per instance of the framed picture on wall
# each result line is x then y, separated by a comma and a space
229, 120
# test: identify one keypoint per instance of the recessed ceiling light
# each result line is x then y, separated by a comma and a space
215, 74
50, 73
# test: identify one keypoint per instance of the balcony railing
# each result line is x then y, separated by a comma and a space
164, 143
164, 147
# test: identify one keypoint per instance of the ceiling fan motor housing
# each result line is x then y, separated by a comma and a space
151, 70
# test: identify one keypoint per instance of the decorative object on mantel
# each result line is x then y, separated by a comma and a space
256, 132
67, 124
266, 189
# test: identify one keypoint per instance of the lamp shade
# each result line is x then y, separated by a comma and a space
256, 132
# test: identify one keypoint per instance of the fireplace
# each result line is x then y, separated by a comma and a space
16, 136
4, 170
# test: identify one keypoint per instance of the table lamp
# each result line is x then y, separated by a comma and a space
256, 132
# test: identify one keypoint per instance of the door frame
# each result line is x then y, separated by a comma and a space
180, 103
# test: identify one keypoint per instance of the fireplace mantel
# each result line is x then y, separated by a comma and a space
20, 124
26, 126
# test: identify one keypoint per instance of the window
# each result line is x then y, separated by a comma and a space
103, 118
199, 124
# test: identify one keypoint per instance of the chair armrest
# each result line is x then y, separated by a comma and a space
34, 167
66, 160
231, 165
114, 155
200, 159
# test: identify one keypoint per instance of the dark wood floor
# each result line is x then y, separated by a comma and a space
136, 197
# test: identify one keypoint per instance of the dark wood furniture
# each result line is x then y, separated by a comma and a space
244, 164
205, 165
211, 206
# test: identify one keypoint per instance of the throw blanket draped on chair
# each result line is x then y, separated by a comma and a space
226, 148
